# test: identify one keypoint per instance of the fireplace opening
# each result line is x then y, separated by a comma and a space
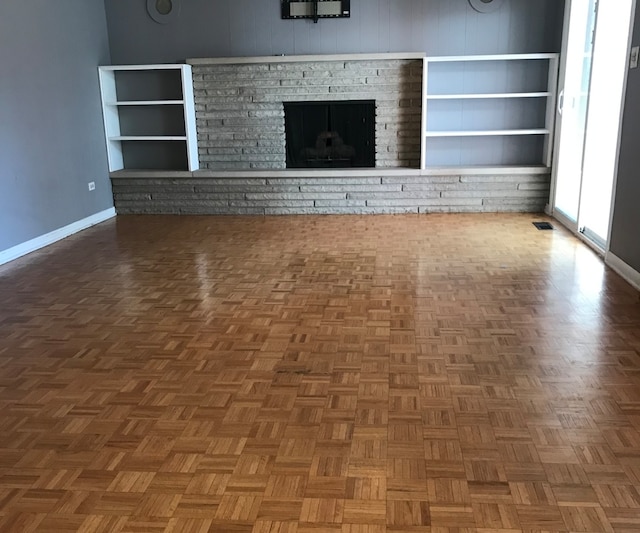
330, 134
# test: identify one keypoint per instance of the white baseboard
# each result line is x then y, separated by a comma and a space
56, 235
627, 272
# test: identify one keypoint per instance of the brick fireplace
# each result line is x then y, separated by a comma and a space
242, 147
240, 107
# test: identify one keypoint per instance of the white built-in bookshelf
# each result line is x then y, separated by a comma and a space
149, 117
462, 106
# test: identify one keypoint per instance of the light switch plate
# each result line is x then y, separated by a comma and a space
635, 56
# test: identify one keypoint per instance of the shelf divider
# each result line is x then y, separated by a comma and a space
149, 138
487, 133
145, 102
476, 96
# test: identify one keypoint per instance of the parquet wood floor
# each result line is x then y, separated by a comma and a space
442, 374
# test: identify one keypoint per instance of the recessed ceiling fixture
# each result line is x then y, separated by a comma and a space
163, 11
486, 6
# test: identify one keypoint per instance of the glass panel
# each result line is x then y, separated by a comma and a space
605, 100
573, 104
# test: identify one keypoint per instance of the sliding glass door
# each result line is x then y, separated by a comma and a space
592, 78
573, 99
610, 60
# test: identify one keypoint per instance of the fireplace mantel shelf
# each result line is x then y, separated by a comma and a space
333, 173
202, 61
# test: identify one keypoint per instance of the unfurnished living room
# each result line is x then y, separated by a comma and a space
329, 266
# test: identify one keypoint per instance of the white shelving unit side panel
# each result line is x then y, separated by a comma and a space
550, 123
190, 118
111, 118
425, 103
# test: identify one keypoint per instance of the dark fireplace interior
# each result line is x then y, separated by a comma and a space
330, 134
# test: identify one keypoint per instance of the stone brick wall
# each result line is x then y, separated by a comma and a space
197, 193
240, 112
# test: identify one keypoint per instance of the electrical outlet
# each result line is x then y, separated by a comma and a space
92, 185
635, 56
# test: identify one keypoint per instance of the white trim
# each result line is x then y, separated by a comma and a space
591, 244
479, 96
149, 138
301, 58
110, 117
571, 225
423, 119
550, 119
162, 66
487, 133
54, 236
189, 114
495, 57
627, 272
359, 57
147, 102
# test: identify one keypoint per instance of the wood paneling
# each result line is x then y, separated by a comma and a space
339, 374
217, 28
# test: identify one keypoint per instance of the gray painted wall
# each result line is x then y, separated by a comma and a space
51, 133
625, 232
220, 28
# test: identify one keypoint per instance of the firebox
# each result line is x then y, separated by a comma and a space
330, 134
